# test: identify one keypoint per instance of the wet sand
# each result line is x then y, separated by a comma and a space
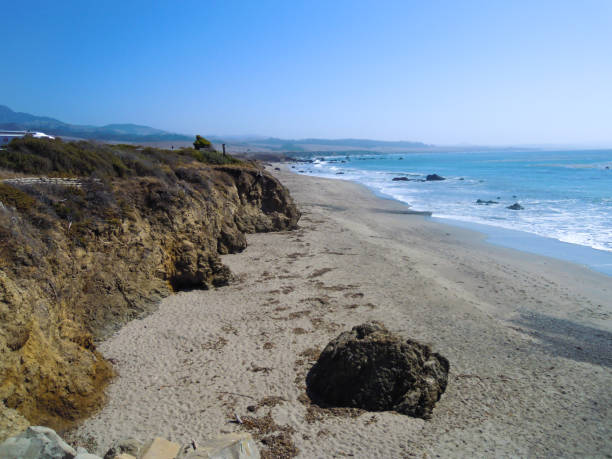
529, 340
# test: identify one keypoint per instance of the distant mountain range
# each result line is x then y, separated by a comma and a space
11, 120
18, 121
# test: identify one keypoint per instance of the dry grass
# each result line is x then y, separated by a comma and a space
353, 295
320, 272
276, 439
319, 300
319, 323
215, 345
257, 369
298, 314
316, 413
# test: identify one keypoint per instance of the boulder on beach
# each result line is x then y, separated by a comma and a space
434, 177
373, 369
515, 206
36, 441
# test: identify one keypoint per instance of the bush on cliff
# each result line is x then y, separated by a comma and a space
14, 197
201, 143
55, 157
208, 156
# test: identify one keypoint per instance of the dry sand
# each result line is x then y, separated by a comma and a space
529, 340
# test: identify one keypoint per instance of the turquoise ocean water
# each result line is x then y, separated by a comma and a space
566, 195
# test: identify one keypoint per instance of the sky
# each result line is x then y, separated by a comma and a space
488, 72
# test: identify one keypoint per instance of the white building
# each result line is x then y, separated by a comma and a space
7, 136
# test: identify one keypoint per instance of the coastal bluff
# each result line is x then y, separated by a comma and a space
78, 262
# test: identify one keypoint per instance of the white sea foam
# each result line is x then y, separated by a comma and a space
574, 216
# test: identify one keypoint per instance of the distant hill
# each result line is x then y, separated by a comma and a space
355, 143
12, 120
111, 132
315, 146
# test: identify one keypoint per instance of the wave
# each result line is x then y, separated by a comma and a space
552, 208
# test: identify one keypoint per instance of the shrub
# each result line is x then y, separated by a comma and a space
14, 197
201, 142
54, 157
209, 156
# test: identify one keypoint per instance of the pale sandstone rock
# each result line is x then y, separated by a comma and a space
229, 446
160, 448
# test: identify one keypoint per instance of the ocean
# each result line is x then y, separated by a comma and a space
566, 196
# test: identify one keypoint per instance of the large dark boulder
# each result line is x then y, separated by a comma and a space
434, 177
373, 369
515, 206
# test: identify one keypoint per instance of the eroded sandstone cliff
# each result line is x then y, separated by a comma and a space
79, 259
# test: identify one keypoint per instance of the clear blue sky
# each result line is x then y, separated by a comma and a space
481, 72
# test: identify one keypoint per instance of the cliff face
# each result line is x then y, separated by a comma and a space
77, 261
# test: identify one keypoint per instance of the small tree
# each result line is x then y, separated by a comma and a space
201, 142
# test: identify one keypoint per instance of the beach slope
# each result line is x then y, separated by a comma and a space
529, 340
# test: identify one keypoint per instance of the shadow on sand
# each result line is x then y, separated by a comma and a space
564, 338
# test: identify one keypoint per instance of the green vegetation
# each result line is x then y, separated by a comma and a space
97, 207
14, 197
209, 156
87, 159
201, 142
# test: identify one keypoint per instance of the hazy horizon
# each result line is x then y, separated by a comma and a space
442, 73
263, 137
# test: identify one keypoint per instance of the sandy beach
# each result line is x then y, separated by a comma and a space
529, 340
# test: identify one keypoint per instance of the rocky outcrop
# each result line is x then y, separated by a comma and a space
372, 369
486, 203
515, 206
78, 262
37, 442
434, 177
